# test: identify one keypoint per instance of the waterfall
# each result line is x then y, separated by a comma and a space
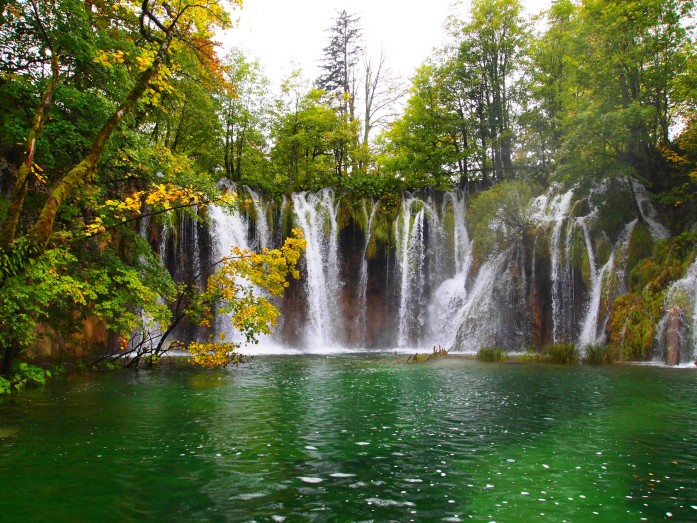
409, 232
261, 223
317, 216
363, 277
450, 296
589, 330
559, 210
228, 230
681, 298
647, 211
424, 292
479, 317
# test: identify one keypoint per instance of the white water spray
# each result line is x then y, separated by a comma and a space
317, 216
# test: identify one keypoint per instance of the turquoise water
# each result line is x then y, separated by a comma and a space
354, 438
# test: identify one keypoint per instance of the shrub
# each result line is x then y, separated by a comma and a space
564, 353
492, 354
599, 355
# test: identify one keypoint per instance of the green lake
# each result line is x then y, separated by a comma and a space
354, 437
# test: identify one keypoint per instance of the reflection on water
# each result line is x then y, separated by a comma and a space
354, 437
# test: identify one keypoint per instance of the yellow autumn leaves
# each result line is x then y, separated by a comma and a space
251, 313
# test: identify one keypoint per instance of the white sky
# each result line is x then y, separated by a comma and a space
286, 34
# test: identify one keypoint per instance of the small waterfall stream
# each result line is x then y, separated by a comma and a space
681, 300
559, 209
228, 230
363, 277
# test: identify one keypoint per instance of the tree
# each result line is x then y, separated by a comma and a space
306, 137
423, 148
380, 94
103, 42
494, 40
339, 83
613, 71
556, 58
246, 119
339, 62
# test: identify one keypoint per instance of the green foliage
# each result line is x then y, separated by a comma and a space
559, 353
640, 245
5, 386
492, 354
562, 353
500, 216
633, 324
599, 355
635, 315
26, 374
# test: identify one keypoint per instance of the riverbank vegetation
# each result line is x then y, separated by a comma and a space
116, 118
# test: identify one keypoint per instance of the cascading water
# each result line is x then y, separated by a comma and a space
317, 216
647, 211
479, 317
409, 231
363, 277
590, 329
227, 230
420, 291
262, 237
450, 296
557, 212
681, 301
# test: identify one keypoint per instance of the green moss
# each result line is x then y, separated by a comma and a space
578, 255
633, 324
287, 218
603, 250
449, 224
640, 245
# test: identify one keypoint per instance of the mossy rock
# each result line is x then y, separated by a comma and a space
616, 207
580, 208
603, 250
632, 324
640, 245
578, 255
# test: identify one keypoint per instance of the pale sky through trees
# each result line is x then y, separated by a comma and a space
285, 34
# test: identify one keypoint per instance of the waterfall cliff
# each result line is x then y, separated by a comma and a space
386, 273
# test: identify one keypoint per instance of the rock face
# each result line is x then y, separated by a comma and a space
674, 336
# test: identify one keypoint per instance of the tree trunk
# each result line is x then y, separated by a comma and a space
19, 193
83, 171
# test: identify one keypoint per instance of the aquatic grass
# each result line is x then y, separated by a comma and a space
532, 356
562, 353
599, 355
492, 354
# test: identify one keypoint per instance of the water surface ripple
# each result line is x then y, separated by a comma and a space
354, 438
